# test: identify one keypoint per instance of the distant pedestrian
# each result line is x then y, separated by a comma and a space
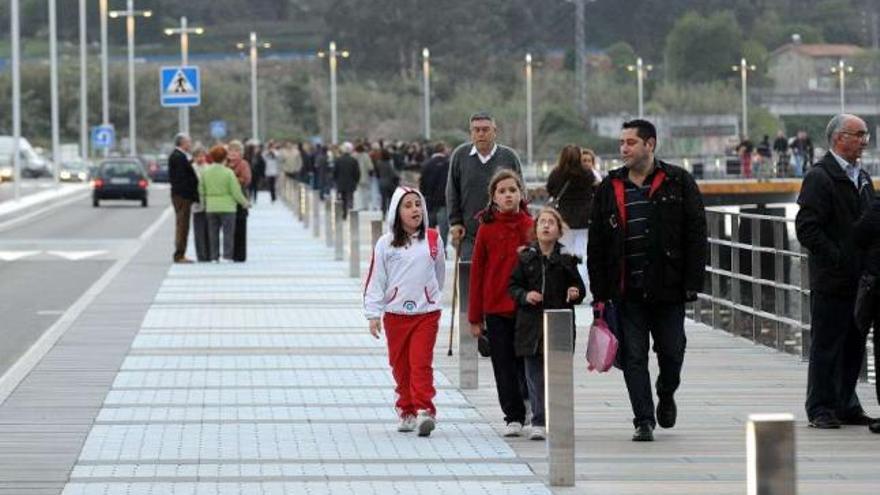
572, 187
408, 264
745, 150
471, 166
242, 170
505, 229
432, 180
647, 254
590, 161
834, 195
780, 147
545, 278
802, 153
199, 216
388, 178
271, 159
220, 191
346, 175
363, 193
254, 157
184, 192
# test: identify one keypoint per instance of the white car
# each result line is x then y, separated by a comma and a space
32, 164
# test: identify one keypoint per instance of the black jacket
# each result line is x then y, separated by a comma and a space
676, 239
551, 276
867, 236
576, 202
346, 173
432, 181
830, 204
182, 177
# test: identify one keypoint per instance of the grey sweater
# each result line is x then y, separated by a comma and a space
467, 187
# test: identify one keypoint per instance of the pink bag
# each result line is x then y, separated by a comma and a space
601, 347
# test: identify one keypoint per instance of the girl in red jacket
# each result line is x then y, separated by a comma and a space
505, 228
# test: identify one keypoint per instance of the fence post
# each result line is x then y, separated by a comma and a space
779, 279
559, 395
295, 198
468, 367
329, 211
735, 286
757, 288
715, 262
806, 314
316, 215
375, 231
307, 207
354, 255
337, 237
770, 455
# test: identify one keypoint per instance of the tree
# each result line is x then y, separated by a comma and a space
702, 49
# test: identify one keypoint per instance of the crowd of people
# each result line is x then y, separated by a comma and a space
784, 157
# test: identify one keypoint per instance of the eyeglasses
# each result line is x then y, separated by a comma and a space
861, 135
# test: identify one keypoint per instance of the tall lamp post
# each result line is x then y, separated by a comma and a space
16, 95
129, 13
529, 153
53, 88
105, 86
331, 55
426, 77
641, 71
841, 69
254, 44
83, 84
744, 68
184, 31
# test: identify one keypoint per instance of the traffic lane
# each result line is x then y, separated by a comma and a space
80, 220
34, 294
28, 186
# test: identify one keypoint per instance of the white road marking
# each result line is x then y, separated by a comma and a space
76, 255
15, 255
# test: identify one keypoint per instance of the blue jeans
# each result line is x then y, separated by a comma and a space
535, 380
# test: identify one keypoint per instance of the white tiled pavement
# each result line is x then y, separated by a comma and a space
260, 378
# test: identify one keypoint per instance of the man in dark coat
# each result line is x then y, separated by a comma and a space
346, 175
647, 253
184, 192
432, 184
834, 194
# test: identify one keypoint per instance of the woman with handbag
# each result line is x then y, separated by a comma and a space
571, 186
867, 311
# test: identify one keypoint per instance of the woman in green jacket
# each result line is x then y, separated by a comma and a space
220, 191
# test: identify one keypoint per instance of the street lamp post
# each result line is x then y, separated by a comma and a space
529, 154
184, 31
53, 88
743, 68
83, 82
254, 44
334, 116
641, 71
16, 95
105, 87
129, 15
426, 76
841, 69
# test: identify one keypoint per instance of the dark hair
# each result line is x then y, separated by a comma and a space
481, 116
644, 129
487, 215
401, 238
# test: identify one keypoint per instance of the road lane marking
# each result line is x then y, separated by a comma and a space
16, 255
76, 255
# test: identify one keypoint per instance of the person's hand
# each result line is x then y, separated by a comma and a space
690, 296
573, 293
375, 327
476, 330
457, 234
534, 297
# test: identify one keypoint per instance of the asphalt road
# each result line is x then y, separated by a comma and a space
48, 262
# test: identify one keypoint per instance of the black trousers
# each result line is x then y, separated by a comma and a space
509, 370
200, 235
664, 323
270, 184
836, 354
347, 198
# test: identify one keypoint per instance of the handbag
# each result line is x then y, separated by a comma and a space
554, 202
602, 344
866, 302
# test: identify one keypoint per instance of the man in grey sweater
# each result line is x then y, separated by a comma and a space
471, 167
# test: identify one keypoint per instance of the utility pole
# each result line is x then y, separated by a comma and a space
580, 58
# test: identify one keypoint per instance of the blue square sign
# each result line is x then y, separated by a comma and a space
103, 137
180, 86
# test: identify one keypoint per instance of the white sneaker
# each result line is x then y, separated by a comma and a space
407, 423
537, 433
513, 429
425, 423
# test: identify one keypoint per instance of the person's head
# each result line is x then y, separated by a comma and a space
218, 153
569, 161
483, 131
409, 216
588, 159
780, 133
235, 150
346, 148
847, 136
549, 225
506, 192
200, 155
638, 141
182, 141
441, 147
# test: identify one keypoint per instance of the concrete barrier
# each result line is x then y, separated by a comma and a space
468, 369
559, 395
770, 455
354, 255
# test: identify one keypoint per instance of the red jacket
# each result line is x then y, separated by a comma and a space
495, 256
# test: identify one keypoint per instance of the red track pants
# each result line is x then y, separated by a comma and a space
411, 354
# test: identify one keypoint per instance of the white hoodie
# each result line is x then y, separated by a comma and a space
404, 280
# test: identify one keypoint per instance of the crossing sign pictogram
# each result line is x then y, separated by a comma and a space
180, 86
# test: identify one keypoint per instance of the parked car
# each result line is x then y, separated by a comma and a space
157, 167
32, 164
73, 171
120, 178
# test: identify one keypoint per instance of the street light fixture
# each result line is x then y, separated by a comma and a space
744, 68
331, 55
426, 76
841, 69
184, 31
641, 71
529, 154
130, 13
254, 44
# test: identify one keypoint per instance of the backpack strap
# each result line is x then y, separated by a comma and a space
620, 201
433, 242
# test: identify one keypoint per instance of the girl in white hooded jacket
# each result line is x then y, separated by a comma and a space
403, 294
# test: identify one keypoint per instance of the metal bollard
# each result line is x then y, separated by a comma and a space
294, 198
328, 221
770, 455
316, 215
559, 395
337, 238
354, 255
306, 202
375, 231
468, 366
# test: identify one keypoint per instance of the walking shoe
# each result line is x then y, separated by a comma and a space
644, 433
425, 423
407, 423
513, 429
825, 422
666, 411
537, 433
860, 419
875, 426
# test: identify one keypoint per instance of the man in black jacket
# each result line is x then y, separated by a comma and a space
432, 183
346, 175
833, 196
647, 253
184, 192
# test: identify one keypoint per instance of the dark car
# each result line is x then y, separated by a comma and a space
120, 178
157, 167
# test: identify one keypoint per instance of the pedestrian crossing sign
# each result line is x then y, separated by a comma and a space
180, 86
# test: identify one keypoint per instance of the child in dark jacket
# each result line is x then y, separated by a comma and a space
545, 278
